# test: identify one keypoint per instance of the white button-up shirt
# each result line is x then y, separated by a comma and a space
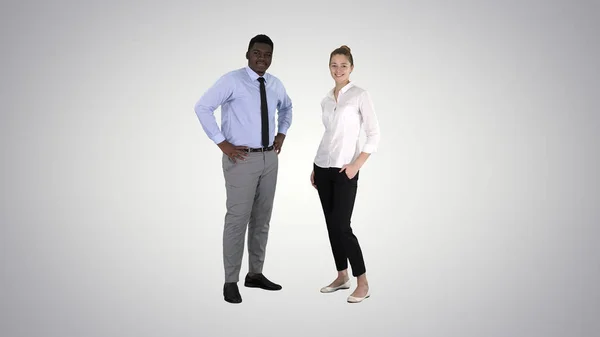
345, 121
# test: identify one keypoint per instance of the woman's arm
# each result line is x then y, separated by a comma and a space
371, 125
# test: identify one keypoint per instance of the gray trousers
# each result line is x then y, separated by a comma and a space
250, 188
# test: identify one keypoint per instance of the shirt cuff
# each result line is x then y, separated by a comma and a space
218, 138
283, 129
369, 148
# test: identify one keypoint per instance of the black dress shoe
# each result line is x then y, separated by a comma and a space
260, 281
231, 293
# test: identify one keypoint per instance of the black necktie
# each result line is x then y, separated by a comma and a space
264, 112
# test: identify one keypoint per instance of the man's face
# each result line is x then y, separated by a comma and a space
259, 57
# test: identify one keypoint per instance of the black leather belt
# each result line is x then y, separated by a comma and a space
259, 149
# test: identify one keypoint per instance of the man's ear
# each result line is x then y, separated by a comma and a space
247, 55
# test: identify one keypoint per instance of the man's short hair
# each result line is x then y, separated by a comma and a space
261, 38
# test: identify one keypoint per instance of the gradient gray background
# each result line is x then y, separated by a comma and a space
478, 216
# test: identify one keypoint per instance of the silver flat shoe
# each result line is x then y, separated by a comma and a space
352, 299
332, 289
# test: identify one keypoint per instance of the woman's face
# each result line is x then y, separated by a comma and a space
340, 68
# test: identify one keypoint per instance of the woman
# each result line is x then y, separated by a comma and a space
346, 109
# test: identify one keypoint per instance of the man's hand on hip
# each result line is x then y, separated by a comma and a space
232, 151
278, 142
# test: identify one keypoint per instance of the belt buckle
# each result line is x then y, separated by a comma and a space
259, 149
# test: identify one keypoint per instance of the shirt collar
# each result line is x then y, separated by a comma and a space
254, 76
343, 90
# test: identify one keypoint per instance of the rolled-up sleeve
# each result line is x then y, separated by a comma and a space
370, 123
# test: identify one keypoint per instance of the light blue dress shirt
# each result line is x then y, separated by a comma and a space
238, 95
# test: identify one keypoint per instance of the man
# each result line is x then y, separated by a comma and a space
249, 98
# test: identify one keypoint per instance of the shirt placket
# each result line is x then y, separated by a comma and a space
334, 120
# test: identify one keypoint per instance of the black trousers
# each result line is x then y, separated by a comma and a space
338, 193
